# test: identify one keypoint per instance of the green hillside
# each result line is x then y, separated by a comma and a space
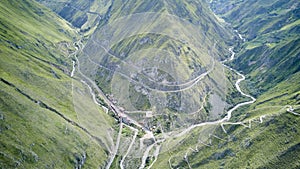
270, 53
149, 84
264, 134
149, 55
82, 14
39, 125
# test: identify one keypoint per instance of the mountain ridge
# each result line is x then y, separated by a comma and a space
137, 84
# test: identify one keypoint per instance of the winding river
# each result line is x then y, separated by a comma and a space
149, 134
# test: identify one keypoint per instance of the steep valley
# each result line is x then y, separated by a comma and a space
149, 84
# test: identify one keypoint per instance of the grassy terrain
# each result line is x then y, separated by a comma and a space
144, 45
49, 120
271, 51
34, 137
269, 57
39, 125
270, 143
82, 14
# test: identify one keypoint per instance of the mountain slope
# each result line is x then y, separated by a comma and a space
264, 134
144, 84
159, 64
156, 53
82, 14
120, 57
39, 125
271, 51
